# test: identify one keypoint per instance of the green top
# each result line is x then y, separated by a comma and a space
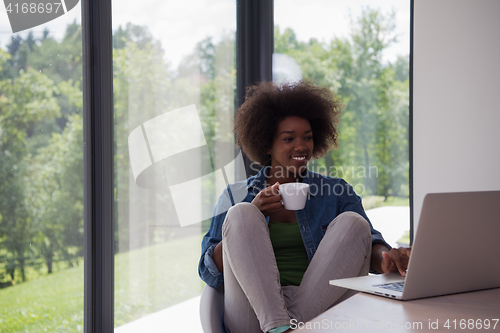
290, 253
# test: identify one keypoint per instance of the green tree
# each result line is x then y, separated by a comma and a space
366, 87
40, 94
55, 195
23, 101
141, 80
373, 144
392, 136
61, 61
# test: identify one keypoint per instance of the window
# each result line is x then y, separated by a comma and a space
360, 50
41, 176
173, 67
174, 82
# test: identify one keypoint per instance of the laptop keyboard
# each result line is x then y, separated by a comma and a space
396, 286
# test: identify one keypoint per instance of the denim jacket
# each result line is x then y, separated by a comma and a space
328, 197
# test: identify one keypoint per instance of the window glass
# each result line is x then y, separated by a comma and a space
360, 50
174, 96
41, 170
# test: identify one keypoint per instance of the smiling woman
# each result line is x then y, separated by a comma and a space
270, 259
292, 147
267, 104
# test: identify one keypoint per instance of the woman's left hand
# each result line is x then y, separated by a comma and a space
396, 260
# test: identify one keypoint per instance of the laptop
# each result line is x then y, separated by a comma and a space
456, 249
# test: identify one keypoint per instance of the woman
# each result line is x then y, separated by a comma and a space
275, 264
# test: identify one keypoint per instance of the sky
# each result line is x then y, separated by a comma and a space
179, 25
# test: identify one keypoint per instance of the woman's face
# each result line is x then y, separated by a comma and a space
293, 145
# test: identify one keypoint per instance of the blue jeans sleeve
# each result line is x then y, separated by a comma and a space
207, 269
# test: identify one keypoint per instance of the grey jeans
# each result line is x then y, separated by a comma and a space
254, 300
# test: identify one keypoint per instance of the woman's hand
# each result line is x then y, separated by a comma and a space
268, 201
396, 260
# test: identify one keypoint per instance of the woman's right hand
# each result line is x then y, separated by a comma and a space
268, 201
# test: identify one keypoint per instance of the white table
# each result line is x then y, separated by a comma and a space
466, 312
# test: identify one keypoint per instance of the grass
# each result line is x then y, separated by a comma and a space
52, 303
146, 281
405, 239
396, 201
373, 201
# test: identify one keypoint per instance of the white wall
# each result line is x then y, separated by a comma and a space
456, 97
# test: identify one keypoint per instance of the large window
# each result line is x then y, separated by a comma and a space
174, 83
41, 176
359, 50
174, 95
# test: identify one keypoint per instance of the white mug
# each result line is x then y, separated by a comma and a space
294, 195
